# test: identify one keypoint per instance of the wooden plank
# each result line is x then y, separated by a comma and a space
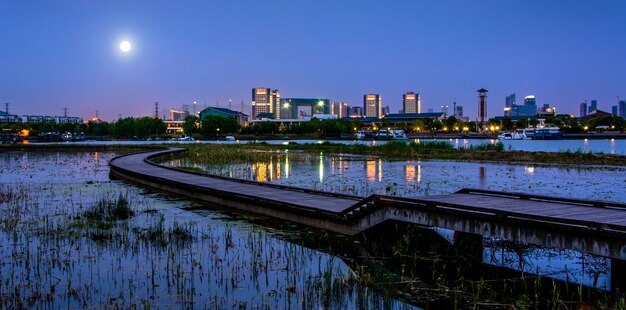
547, 209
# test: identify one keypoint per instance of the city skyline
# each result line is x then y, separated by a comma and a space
67, 54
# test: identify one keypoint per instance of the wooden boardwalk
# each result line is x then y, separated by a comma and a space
296, 198
588, 225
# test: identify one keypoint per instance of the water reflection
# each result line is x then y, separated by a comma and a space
364, 176
482, 177
321, 168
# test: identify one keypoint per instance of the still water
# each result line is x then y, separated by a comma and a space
363, 176
177, 253
607, 146
171, 253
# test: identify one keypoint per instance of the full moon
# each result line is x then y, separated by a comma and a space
125, 46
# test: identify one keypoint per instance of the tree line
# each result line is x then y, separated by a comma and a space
218, 126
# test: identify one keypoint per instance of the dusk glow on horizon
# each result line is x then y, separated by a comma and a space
59, 54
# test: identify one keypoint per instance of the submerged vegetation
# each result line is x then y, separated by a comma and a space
70, 237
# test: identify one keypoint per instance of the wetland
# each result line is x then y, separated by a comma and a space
71, 237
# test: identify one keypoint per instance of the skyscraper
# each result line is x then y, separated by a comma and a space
386, 110
509, 103
339, 108
528, 109
411, 103
593, 107
614, 111
621, 108
372, 105
583, 109
530, 100
482, 105
265, 100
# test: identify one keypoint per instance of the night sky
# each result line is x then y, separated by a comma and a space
56, 54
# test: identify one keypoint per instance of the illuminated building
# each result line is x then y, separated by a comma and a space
340, 109
411, 103
265, 100
372, 105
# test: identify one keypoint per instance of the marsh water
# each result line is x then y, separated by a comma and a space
169, 252
606, 146
363, 176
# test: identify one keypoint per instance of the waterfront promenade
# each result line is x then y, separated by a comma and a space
592, 227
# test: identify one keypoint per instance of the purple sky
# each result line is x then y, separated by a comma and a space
56, 54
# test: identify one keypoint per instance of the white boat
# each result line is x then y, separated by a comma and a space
512, 135
364, 135
399, 135
185, 138
384, 134
230, 138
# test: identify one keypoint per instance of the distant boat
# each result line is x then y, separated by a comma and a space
230, 138
399, 135
513, 135
186, 138
384, 134
364, 135
547, 133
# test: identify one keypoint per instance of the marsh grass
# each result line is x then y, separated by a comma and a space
101, 244
239, 153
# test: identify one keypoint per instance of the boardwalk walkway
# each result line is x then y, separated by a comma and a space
590, 226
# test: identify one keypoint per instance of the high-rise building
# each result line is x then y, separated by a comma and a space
583, 109
528, 109
621, 108
614, 110
530, 100
508, 104
457, 110
386, 110
265, 100
355, 111
482, 105
372, 105
339, 108
411, 103
593, 107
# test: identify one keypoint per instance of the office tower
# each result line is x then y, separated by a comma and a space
265, 100
340, 109
372, 105
583, 109
621, 109
458, 111
482, 105
530, 100
386, 110
509, 103
411, 103
355, 111
528, 109
593, 107
614, 110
